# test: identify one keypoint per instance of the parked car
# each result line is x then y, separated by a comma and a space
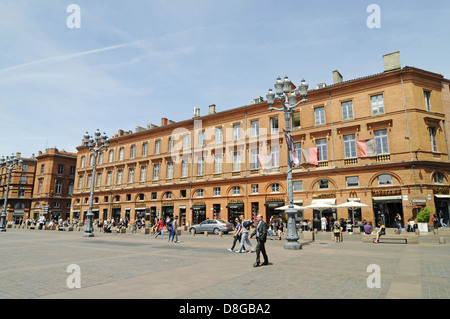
212, 226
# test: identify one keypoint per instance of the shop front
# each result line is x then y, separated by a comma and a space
442, 204
235, 209
167, 210
182, 215
271, 205
386, 207
198, 212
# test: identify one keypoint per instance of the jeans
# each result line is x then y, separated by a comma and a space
159, 232
399, 226
245, 239
236, 239
173, 235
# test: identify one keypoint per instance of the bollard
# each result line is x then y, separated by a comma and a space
193, 232
205, 233
220, 234
441, 240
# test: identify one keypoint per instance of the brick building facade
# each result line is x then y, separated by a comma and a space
207, 166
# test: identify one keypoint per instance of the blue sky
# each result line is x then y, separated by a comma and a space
133, 62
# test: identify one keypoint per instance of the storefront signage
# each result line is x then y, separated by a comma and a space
443, 191
141, 206
234, 201
389, 192
167, 204
275, 199
116, 206
325, 195
199, 202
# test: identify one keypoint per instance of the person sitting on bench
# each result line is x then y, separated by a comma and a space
381, 231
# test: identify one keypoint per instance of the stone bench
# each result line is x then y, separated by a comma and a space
67, 228
119, 230
406, 239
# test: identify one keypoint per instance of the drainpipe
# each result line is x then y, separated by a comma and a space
406, 117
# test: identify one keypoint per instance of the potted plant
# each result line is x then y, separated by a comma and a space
423, 218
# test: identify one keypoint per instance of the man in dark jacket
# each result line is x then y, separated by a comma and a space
261, 236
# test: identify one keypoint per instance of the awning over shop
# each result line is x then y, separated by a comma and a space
442, 196
274, 204
387, 198
235, 205
198, 207
330, 201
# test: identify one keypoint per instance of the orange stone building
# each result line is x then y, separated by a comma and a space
21, 189
208, 167
53, 184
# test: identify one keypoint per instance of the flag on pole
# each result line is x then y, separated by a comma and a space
295, 162
311, 156
368, 148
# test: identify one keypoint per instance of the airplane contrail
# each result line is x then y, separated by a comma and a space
70, 56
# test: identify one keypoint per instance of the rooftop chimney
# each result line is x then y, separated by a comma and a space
392, 61
212, 109
164, 121
337, 77
196, 112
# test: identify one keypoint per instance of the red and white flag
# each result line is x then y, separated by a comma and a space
368, 148
265, 161
311, 156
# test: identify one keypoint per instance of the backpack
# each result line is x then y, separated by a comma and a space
247, 224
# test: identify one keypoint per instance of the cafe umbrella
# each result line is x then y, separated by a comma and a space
352, 205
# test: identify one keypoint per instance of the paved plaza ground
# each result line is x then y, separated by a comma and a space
138, 266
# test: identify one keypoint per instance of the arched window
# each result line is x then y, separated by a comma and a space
275, 188
324, 184
385, 179
438, 178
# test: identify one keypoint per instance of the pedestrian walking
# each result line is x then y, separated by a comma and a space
270, 227
160, 228
245, 229
174, 230
323, 222
261, 236
441, 218
435, 221
398, 222
336, 229
169, 223
237, 234
280, 230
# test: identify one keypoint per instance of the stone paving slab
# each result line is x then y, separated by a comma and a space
138, 266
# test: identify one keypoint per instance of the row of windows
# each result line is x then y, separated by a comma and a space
236, 190
60, 169
58, 188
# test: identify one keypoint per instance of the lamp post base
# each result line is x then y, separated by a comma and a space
292, 245
88, 234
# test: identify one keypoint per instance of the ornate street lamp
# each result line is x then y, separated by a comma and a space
10, 163
288, 100
96, 144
